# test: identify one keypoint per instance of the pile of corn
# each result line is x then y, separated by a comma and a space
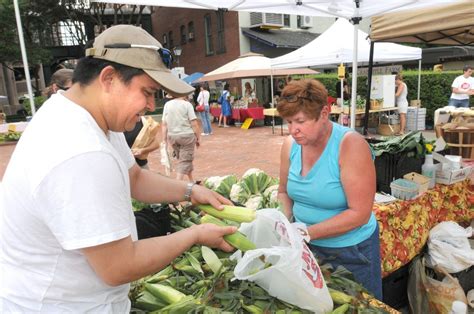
201, 279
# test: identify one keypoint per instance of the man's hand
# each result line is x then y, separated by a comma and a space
202, 195
212, 236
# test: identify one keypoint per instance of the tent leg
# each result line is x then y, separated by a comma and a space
354, 75
271, 90
23, 56
369, 84
419, 80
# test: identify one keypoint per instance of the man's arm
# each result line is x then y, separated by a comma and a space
123, 261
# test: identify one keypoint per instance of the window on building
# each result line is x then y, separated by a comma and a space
191, 34
299, 19
165, 41
220, 32
208, 32
286, 20
182, 34
170, 40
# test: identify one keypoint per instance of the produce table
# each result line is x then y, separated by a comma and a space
405, 225
241, 114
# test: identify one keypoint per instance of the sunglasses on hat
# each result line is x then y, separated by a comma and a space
164, 53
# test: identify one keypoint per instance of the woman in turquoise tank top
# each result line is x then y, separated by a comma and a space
327, 181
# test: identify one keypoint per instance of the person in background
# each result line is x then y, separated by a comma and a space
181, 131
462, 88
203, 99
401, 101
346, 94
68, 228
327, 181
141, 154
226, 109
60, 80
249, 92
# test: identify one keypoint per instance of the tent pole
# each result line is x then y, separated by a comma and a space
419, 80
23, 56
369, 85
271, 89
354, 75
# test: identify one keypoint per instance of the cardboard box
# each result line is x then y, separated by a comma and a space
446, 175
452, 176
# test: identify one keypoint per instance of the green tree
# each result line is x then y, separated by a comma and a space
9, 43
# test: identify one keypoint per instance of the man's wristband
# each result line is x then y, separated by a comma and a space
189, 190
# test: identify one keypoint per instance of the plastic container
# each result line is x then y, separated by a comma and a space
394, 166
422, 181
429, 170
395, 286
458, 307
404, 189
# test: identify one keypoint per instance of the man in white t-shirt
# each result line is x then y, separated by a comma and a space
68, 233
463, 87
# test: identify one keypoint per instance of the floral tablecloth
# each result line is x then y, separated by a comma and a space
405, 225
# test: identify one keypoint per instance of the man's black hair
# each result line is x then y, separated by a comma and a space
89, 68
466, 68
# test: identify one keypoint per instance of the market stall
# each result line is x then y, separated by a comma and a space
405, 225
246, 66
334, 46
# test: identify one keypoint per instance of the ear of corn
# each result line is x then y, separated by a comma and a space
237, 239
341, 309
194, 262
161, 275
340, 297
165, 293
211, 259
251, 308
185, 305
148, 302
234, 213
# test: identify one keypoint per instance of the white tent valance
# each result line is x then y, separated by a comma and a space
334, 46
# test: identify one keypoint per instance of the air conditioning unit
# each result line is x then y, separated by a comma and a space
306, 21
191, 36
266, 20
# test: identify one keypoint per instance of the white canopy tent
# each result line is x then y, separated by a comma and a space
334, 46
353, 10
252, 65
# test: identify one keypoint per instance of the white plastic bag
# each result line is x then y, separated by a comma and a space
283, 264
448, 246
165, 158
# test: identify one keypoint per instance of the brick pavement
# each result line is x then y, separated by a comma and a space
228, 151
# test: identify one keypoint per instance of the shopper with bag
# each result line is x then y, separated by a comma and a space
69, 238
143, 139
327, 181
181, 131
203, 109
226, 109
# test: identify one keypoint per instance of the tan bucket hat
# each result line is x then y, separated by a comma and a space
135, 47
